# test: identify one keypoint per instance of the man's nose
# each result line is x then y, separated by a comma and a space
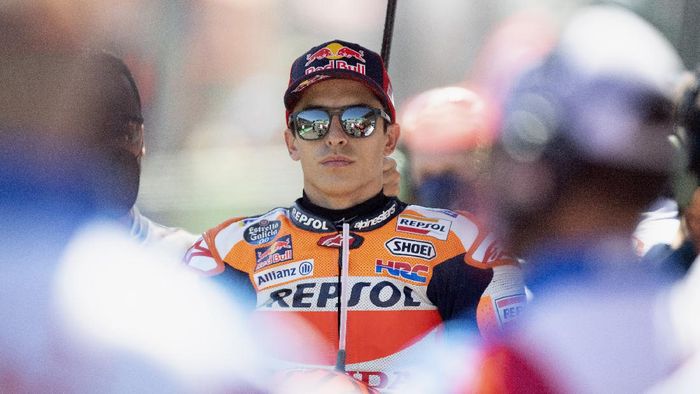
336, 135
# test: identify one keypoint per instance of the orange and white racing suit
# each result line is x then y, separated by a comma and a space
407, 270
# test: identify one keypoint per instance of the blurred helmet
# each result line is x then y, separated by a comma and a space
603, 98
445, 120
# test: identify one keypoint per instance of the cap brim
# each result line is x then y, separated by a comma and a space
294, 93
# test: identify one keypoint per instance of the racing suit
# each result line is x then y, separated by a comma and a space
407, 269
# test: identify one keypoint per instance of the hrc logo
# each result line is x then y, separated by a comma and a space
402, 270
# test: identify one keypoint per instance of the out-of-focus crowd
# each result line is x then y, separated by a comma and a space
579, 146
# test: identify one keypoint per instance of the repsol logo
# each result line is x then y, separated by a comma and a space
410, 247
436, 228
308, 221
324, 295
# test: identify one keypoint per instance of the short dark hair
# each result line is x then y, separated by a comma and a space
110, 64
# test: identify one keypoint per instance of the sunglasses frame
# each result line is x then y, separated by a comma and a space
331, 112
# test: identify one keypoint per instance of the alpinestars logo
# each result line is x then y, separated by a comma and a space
363, 224
336, 241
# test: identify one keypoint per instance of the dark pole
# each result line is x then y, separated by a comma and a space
388, 31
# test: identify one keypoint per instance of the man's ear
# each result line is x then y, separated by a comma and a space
290, 140
392, 138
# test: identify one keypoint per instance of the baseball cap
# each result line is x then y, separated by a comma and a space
339, 59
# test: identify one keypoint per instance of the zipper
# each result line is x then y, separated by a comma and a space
344, 296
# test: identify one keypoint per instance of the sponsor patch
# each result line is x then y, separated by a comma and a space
490, 251
283, 274
381, 293
366, 223
336, 241
509, 308
309, 222
280, 250
403, 270
410, 247
262, 232
337, 56
436, 228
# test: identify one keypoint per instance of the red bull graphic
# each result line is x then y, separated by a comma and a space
337, 56
278, 251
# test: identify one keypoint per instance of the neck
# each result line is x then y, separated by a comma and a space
340, 200
372, 204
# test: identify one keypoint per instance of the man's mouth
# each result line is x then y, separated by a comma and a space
336, 161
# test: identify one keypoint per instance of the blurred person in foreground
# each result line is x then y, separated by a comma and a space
582, 153
85, 308
670, 234
118, 124
376, 279
447, 138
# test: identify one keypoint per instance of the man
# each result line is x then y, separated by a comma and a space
373, 277
582, 153
118, 124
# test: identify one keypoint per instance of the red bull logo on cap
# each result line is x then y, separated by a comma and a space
280, 250
336, 54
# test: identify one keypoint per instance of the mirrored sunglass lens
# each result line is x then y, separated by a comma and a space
312, 124
359, 121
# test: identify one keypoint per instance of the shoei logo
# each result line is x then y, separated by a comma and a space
436, 228
410, 247
283, 274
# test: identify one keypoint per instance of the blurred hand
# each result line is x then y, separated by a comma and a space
392, 178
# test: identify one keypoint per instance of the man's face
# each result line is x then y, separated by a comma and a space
122, 125
339, 165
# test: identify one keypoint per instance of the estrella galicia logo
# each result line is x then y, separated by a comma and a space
262, 232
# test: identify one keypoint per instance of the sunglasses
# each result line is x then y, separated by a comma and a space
356, 121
